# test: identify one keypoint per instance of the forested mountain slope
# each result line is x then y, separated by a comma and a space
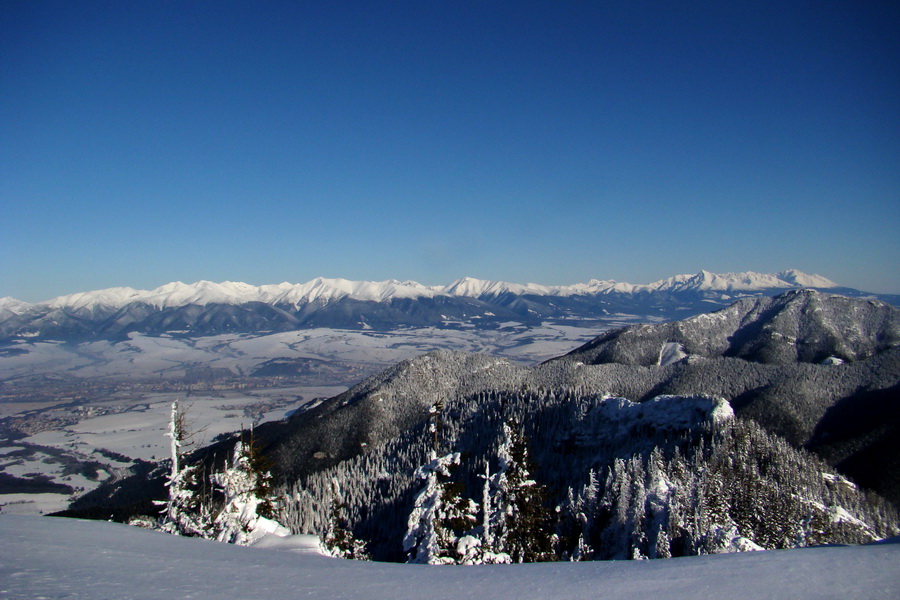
819, 369
788, 397
761, 357
381, 408
544, 475
797, 326
704, 448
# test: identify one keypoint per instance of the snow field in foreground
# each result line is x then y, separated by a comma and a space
64, 558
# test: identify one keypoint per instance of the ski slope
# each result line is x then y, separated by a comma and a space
61, 558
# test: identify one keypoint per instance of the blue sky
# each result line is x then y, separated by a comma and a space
554, 142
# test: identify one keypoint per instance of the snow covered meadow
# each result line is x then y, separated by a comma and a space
48, 558
168, 356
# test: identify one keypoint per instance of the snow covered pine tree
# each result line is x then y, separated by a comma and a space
185, 512
246, 516
339, 540
525, 531
441, 522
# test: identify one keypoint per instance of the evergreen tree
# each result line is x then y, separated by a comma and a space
260, 466
575, 536
186, 512
489, 552
339, 540
241, 521
660, 490
527, 535
427, 539
614, 509
441, 524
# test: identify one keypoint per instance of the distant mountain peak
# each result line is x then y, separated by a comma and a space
803, 280
10, 305
745, 281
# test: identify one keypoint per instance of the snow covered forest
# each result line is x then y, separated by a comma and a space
541, 476
546, 476
455, 458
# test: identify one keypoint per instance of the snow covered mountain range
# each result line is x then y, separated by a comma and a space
202, 293
207, 308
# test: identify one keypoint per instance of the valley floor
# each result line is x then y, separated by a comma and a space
64, 558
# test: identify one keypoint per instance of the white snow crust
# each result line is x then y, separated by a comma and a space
664, 412
671, 353
10, 306
64, 558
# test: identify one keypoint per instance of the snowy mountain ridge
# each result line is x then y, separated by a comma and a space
176, 294
208, 308
601, 406
795, 326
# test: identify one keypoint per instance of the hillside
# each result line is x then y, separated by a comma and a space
672, 458
820, 370
801, 326
559, 404
793, 397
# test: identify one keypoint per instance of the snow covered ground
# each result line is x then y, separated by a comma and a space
131, 422
136, 431
140, 431
64, 558
143, 356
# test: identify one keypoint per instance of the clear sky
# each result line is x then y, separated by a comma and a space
553, 142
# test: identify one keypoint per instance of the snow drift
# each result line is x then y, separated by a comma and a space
63, 558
